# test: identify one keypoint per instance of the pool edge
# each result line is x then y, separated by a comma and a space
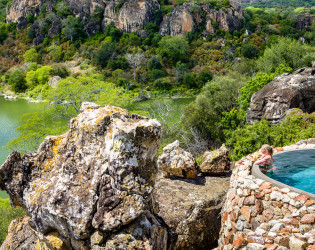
258, 174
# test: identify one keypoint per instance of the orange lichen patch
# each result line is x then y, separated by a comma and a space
54, 241
38, 245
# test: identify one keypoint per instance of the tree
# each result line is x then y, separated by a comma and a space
104, 54
17, 81
63, 103
55, 51
216, 97
135, 60
249, 51
73, 28
3, 32
174, 48
288, 52
31, 55
204, 77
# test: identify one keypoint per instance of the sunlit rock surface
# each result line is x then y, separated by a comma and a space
96, 178
216, 162
178, 162
285, 92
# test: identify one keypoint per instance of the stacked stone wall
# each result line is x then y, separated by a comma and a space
259, 215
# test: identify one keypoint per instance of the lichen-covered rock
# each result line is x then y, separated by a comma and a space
216, 162
285, 92
20, 236
191, 209
96, 177
178, 162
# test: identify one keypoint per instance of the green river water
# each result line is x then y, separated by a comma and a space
10, 113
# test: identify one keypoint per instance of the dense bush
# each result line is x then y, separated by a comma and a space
250, 51
296, 127
105, 53
217, 96
288, 52
174, 48
17, 81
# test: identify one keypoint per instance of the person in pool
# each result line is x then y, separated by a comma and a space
266, 161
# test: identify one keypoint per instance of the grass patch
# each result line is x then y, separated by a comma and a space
7, 214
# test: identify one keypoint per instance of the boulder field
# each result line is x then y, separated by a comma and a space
96, 187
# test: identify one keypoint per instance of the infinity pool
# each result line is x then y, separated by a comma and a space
296, 169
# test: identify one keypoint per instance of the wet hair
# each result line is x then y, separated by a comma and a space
268, 148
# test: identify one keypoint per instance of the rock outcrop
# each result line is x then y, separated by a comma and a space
20, 236
304, 21
216, 162
187, 18
285, 92
178, 162
191, 209
91, 188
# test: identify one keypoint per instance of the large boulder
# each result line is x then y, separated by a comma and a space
285, 92
191, 209
178, 162
216, 162
95, 179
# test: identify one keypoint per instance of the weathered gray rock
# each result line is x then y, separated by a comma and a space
55, 28
54, 80
178, 162
216, 162
180, 22
96, 177
183, 20
128, 21
22, 23
22, 9
285, 92
92, 28
191, 208
304, 21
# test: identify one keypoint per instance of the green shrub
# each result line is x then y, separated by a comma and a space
156, 74
31, 55
102, 56
249, 51
17, 81
59, 70
7, 214
174, 48
296, 127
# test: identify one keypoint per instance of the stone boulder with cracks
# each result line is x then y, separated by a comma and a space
285, 92
178, 162
191, 208
216, 162
90, 188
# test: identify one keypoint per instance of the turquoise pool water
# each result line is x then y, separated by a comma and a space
296, 169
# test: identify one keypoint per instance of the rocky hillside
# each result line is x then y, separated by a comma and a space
182, 19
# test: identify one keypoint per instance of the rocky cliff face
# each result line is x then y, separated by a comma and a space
188, 17
133, 15
285, 92
90, 187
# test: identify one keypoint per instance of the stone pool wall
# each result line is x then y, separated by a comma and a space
259, 215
